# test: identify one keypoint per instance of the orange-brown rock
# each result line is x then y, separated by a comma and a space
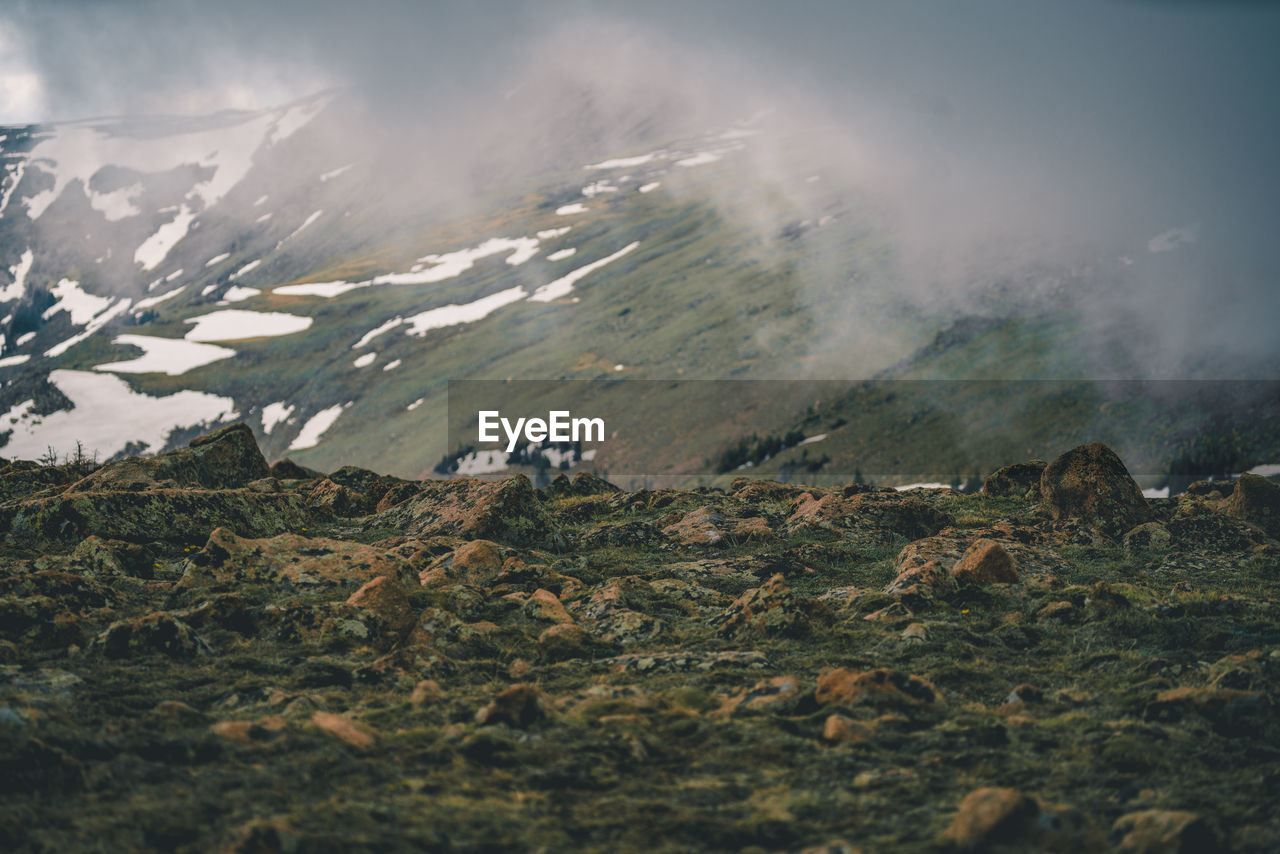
1165, 832
770, 610
1090, 483
545, 605
519, 706
986, 562
838, 729
880, 687
564, 641
508, 511
1257, 500
990, 816
288, 561
342, 728
385, 598
476, 563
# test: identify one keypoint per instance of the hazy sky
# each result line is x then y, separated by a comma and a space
1184, 87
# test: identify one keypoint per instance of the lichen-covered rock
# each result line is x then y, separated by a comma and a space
224, 459
160, 633
768, 611
1147, 537
519, 706
289, 562
1090, 483
874, 516
476, 563
1015, 481
507, 511
921, 583
114, 557
339, 500
171, 514
385, 597
700, 527
1257, 500
986, 562
1164, 832
882, 687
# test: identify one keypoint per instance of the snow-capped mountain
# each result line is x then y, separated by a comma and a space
290, 269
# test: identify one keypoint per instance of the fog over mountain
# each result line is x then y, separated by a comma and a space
1113, 160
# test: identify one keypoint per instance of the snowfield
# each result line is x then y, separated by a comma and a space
134, 417
235, 324
172, 356
315, 428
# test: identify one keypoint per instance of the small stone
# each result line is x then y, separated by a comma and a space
1164, 832
385, 598
247, 732
986, 562
519, 706
1147, 537
545, 605
564, 641
915, 632
880, 687
838, 729
352, 732
991, 815
426, 692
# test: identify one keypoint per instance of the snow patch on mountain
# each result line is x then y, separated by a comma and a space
625, 162
134, 417
273, 414
315, 428
17, 288
429, 269
101, 320
235, 324
172, 356
81, 305
452, 315
235, 293
563, 285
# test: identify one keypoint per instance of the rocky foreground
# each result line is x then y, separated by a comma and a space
203, 653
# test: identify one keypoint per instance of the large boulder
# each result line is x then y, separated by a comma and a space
227, 458
1090, 483
1257, 500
